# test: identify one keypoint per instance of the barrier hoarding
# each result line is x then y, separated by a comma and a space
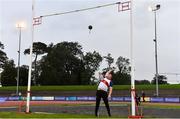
117, 98
157, 99
175, 100
71, 98
16, 98
84, 98
48, 98
147, 99
91, 98
60, 98
37, 98
128, 99
3, 99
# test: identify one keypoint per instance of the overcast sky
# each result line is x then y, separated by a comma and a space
110, 33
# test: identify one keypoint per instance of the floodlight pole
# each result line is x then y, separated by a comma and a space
157, 7
30, 63
156, 60
19, 51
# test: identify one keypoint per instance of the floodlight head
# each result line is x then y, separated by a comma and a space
154, 7
150, 8
158, 6
20, 25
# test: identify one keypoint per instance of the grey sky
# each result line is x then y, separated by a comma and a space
110, 33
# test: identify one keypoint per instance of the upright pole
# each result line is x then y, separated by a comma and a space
18, 70
156, 60
30, 63
133, 111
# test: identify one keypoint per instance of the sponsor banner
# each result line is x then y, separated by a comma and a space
71, 98
48, 98
91, 98
157, 99
37, 98
127, 99
16, 98
84, 98
24, 98
172, 100
3, 99
147, 99
117, 98
60, 98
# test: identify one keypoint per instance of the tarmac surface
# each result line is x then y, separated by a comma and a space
70, 107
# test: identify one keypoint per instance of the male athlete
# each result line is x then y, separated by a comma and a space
104, 91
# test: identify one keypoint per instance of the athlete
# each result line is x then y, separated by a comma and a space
104, 91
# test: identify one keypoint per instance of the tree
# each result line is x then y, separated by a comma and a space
39, 48
91, 63
161, 80
123, 65
109, 60
8, 77
142, 82
65, 64
122, 76
3, 57
23, 79
61, 65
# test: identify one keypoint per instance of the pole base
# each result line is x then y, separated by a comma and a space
135, 117
27, 112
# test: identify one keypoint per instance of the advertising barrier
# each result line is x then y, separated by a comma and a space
85, 98
60, 98
16, 98
3, 99
117, 98
35, 98
175, 100
89, 98
71, 98
157, 99
147, 99
51, 98
127, 99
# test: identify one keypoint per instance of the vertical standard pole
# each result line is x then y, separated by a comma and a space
18, 70
156, 60
30, 63
133, 111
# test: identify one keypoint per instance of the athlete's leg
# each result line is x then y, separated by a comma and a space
98, 99
105, 99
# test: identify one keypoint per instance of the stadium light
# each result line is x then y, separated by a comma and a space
154, 9
20, 26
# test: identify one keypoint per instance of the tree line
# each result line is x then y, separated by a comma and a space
65, 63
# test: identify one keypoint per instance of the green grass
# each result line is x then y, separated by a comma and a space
89, 87
44, 115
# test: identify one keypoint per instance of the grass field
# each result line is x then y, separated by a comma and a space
46, 115
40, 115
89, 87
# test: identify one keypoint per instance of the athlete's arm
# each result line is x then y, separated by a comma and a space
110, 89
110, 92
